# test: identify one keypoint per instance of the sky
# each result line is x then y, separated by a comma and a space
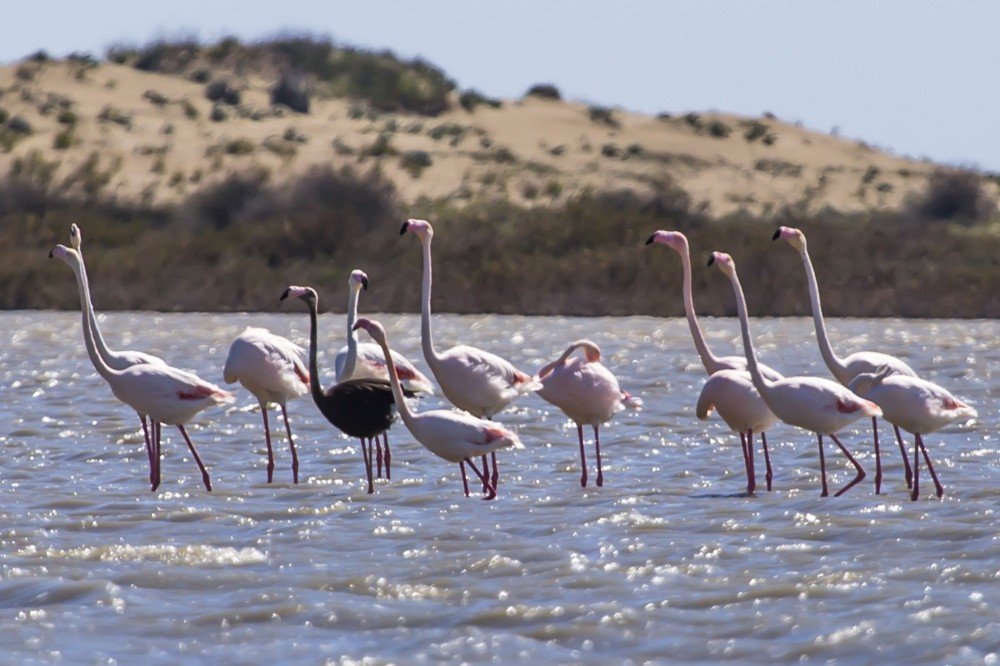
915, 77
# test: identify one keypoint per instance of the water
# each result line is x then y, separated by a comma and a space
668, 562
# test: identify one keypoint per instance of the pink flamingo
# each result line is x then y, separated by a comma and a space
846, 369
450, 435
164, 394
815, 404
271, 368
473, 380
915, 405
587, 393
118, 360
729, 388
359, 360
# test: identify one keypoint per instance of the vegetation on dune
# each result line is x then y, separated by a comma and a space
236, 244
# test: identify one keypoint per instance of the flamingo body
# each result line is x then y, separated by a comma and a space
166, 394
732, 394
586, 391
370, 364
268, 365
913, 404
479, 382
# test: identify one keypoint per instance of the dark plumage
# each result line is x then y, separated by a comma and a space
362, 408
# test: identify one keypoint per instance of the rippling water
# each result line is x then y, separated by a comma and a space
667, 562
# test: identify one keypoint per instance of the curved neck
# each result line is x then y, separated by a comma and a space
759, 381
88, 331
426, 338
102, 347
836, 365
397, 390
352, 336
314, 388
708, 359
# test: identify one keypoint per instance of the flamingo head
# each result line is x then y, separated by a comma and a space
68, 255
723, 261
866, 381
358, 280
75, 237
590, 350
307, 294
373, 328
672, 239
795, 238
422, 228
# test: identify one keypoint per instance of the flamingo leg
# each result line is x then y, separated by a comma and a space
767, 461
583, 456
746, 460
149, 450
465, 479
861, 473
204, 472
368, 465
388, 456
378, 456
291, 445
486, 466
158, 433
597, 449
822, 467
752, 481
916, 470
491, 491
364, 454
906, 458
938, 488
495, 478
878, 458
267, 438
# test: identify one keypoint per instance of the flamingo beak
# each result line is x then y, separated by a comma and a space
649, 241
402, 230
777, 234
284, 295
50, 254
711, 260
364, 283
356, 326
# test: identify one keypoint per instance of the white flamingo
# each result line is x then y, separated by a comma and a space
915, 405
450, 435
164, 394
364, 359
473, 380
813, 403
271, 368
846, 369
587, 393
118, 360
729, 388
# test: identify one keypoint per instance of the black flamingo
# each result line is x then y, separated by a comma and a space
362, 408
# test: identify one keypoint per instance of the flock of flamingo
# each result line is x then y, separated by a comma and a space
373, 382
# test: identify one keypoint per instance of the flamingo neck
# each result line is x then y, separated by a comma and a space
314, 388
350, 362
708, 359
426, 336
397, 390
836, 365
102, 347
88, 333
759, 381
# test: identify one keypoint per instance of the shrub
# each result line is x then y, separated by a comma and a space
26, 71
544, 91
201, 75
20, 125
342, 148
754, 130
295, 136
610, 150
64, 139
239, 147
602, 115
557, 151
447, 129
40, 55
67, 117
292, 92
380, 147
110, 114
3, 115
718, 129
951, 195
693, 120
470, 99
415, 161
219, 113
220, 90
280, 147
190, 110
155, 98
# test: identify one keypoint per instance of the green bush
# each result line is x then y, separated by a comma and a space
602, 115
111, 114
470, 99
291, 91
544, 91
718, 129
64, 139
222, 91
415, 161
239, 147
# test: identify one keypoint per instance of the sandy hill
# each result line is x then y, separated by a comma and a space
156, 137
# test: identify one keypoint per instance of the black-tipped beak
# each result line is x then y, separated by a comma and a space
364, 283
50, 254
711, 260
402, 229
777, 234
649, 241
283, 296
356, 327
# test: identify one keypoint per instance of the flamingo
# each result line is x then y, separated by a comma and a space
587, 393
813, 403
271, 368
846, 369
454, 436
361, 407
473, 380
118, 360
729, 388
161, 392
365, 360
915, 405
